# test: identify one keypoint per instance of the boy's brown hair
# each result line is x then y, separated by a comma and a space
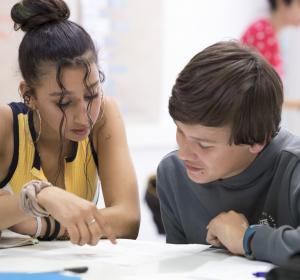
229, 84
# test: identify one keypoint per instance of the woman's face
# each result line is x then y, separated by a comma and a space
81, 105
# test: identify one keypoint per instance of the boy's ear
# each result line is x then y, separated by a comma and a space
256, 148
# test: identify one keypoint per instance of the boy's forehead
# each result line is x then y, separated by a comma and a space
205, 133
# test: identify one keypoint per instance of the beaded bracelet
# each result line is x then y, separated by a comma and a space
28, 198
48, 230
54, 235
38, 227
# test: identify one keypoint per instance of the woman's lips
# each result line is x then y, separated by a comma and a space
80, 132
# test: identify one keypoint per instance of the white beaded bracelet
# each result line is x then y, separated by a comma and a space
28, 198
38, 227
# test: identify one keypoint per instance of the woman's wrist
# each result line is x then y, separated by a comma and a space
29, 198
43, 197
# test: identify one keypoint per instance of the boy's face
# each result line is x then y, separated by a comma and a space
207, 155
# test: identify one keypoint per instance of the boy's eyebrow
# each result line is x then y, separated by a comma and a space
203, 139
58, 93
198, 138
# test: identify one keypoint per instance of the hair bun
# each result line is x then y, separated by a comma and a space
29, 14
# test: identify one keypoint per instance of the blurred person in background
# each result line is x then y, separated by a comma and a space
263, 33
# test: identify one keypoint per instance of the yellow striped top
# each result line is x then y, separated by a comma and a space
80, 169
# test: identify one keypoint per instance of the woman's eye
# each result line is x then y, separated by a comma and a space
91, 97
64, 104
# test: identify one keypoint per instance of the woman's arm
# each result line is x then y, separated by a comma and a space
10, 212
72, 212
117, 173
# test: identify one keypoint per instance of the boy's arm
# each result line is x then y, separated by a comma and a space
174, 232
267, 244
276, 245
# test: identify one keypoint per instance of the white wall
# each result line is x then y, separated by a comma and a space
192, 25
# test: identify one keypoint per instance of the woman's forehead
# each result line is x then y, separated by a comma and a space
49, 72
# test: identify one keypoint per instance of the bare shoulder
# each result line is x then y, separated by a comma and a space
6, 125
110, 115
111, 108
6, 137
110, 123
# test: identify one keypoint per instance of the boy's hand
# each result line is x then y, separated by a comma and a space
228, 229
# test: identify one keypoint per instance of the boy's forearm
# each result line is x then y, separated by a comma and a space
275, 245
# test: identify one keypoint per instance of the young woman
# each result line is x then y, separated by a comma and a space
66, 133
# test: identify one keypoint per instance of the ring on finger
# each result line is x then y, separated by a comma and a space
91, 222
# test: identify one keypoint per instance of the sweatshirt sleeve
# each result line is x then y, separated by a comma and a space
174, 231
276, 245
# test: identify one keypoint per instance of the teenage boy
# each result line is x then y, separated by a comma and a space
235, 179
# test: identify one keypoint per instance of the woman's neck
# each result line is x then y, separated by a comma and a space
48, 139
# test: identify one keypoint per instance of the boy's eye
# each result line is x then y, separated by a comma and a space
203, 146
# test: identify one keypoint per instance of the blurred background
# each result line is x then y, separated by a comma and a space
142, 47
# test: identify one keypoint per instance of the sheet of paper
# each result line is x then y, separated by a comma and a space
232, 268
36, 276
10, 242
125, 252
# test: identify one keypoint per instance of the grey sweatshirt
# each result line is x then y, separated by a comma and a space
267, 193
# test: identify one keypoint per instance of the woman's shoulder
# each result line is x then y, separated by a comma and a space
7, 114
6, 137
6, 121
109, 121
108, 113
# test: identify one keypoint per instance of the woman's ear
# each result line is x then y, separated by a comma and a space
26, 93
256, 148
22, 88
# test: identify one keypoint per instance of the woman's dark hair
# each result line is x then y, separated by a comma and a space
51, 38
273, 3
229, 84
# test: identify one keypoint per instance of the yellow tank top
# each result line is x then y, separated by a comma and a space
80, 169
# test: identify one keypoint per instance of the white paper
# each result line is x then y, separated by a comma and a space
232, 268
10, 242
126, 252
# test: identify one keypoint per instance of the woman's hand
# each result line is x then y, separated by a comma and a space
83, 221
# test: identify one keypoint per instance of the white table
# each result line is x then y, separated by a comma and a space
131, 260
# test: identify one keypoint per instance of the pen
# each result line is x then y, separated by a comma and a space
78, 269
260, 274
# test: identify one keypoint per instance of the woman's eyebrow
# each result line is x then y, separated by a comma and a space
67, 92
